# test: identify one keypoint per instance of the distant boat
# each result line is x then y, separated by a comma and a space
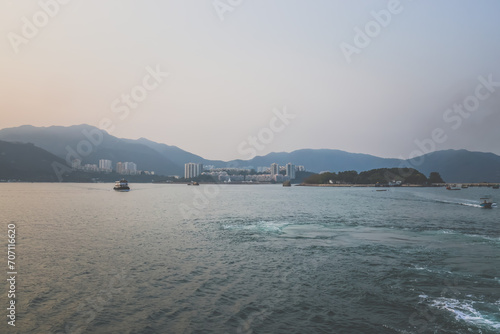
193, 183
496, 186
381, 190
486, 202
452, 187
287, 184
121, 185
465, 186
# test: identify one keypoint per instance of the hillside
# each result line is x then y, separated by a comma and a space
462, 165
26, 162
322, 160
66, 142
381, 175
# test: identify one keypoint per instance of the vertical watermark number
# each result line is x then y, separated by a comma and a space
11, 274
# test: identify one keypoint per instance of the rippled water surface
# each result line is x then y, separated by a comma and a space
252, 259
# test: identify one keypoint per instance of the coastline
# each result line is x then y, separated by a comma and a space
363, 185
482, 184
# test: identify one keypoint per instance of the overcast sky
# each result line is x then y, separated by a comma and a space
231, 66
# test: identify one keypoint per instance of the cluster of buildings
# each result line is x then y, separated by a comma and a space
106, 166
274, 173
126, 168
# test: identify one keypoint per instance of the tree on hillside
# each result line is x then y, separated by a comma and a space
417, 178
434, 177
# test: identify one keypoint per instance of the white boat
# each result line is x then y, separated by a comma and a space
121, 185
486, 202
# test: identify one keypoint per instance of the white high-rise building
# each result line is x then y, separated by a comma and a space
120, 168
130, 167
275, 169
290, 171
126, 168
105, 165
192, 169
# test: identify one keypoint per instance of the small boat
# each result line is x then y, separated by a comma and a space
287, 184
193, 183
121, 185
381, 190
496, 186
465, 186
452, 187
486, 202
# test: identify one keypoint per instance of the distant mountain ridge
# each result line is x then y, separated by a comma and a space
318, 160
91, 144
26, 162
84, 142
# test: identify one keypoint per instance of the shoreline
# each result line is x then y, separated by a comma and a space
342, 185
482, 184
364, 185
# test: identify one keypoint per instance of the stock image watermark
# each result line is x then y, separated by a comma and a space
247, 149
31, 27
363, 37
200, 201
454, 117
122, 107
11, 274
222, 7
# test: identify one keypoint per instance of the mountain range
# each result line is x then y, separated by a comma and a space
89, 144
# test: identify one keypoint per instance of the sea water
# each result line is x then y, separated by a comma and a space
251, 259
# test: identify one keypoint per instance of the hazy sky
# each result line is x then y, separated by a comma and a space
231, 64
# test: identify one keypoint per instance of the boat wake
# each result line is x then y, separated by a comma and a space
463, 202
478, 237
480, 314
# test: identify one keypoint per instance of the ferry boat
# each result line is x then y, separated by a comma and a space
121, 185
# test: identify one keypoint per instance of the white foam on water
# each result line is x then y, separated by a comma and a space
447, 232
464, 202
466, 310
477, 236
260, 226
473, 204
436, 271
482, 237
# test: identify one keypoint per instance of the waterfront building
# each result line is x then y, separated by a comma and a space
90, 168
290, 171
129, 168
76, 164
192, 169
105, 165
275, 169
